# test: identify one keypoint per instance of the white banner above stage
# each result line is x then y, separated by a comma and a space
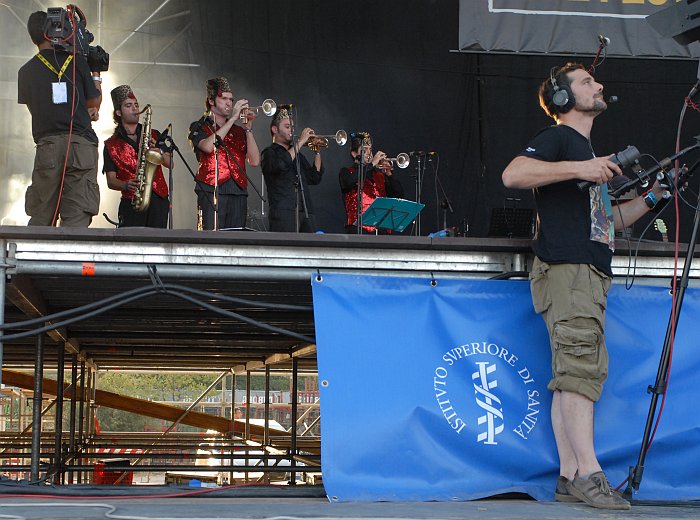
566, 27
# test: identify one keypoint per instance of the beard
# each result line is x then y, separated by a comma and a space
597, 106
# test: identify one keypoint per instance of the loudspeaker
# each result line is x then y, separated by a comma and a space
562, 97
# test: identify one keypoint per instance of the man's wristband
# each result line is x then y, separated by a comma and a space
97, 78
650, 199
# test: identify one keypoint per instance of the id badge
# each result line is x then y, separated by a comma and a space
60, 92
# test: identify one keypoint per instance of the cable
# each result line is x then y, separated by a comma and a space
70, 127
111, 513
674, 287
147, 289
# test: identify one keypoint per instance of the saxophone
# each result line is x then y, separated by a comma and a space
148, 161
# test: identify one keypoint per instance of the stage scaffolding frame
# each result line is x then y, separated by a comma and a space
45, 270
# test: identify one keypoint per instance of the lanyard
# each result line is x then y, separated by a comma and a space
52, 68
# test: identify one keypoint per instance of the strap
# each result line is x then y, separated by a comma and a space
52, 68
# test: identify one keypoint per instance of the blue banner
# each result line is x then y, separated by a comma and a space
438, 391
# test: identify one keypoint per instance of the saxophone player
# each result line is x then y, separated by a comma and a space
121, 155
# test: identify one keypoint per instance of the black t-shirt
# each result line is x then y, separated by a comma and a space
572, 225
280, 174
34, 89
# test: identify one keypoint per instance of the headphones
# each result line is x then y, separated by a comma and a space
562, 97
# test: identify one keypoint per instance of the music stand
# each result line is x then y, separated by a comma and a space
393, 214
511, 222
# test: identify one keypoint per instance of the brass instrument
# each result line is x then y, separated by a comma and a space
148, 161
316, 142
267, 107
402, 161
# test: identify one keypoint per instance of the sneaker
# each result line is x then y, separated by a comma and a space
595, 491
561, 493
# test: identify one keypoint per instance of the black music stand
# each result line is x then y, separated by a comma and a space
511, 222
393, 214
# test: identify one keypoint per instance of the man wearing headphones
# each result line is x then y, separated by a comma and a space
571, 273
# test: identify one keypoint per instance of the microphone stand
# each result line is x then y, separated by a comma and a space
299, 188
170, 146
360, 188
419, 188
662, 374
170, 189
445, 202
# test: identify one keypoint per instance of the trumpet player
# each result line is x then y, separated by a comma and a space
286, 197
378, 180
121, 152
223, 146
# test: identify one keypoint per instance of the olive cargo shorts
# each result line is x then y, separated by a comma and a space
571, 299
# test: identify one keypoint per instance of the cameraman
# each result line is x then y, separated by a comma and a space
63, 97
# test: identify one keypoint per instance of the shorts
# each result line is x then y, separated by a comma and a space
572, 299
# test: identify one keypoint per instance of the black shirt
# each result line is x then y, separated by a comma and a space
280, 175
34, 89
570, 225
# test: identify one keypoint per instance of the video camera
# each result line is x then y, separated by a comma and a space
66, 30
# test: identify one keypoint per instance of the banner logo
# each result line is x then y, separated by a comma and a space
488, 402
493, 411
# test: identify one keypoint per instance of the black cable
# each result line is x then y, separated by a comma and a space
70, 321
149, 292
242, 318
149, 288
69, 312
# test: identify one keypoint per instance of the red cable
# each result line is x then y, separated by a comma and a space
70, 128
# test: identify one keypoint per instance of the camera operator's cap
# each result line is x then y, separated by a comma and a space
360, 139
121, 93
217, 86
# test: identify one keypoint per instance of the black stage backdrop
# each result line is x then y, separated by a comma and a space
386, 67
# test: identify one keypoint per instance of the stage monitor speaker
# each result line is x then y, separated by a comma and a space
680, 21
511, 222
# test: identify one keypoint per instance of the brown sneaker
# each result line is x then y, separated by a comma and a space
561, 492
595, 491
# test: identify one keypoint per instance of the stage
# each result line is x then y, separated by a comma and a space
53, 269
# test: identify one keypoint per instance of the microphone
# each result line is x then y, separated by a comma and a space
612, 99
165, 141
416, 153
623, 159
604, 40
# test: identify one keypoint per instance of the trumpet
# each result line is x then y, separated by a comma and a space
402, 161
316, 142
267, 107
